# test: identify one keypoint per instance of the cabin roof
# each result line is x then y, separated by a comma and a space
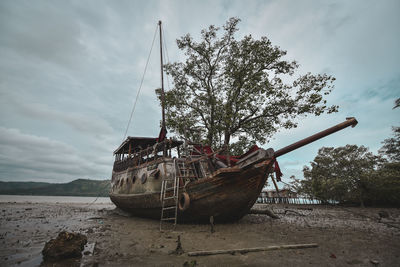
141, 142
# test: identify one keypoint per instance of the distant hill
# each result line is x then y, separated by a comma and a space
79, 187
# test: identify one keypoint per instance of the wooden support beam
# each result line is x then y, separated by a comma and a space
275, 184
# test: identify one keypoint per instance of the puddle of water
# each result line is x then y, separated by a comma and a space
35, 261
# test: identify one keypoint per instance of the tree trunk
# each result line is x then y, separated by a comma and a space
360, 196
361, 202
227, 138
210, 138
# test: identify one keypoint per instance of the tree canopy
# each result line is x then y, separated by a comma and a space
243, 89
340, 173
391, 146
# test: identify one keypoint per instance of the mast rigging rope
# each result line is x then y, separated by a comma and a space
140, 87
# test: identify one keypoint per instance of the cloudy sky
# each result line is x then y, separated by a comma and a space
70, 70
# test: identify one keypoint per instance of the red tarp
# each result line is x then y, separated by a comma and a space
162, 135
223, 158
234, 159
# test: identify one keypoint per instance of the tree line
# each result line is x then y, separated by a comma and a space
353, 174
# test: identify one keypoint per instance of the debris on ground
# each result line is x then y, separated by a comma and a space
383, 214
374, 262
190, 263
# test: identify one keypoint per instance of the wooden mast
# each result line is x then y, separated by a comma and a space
163, 128
162, 81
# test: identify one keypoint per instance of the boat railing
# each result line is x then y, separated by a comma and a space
149, 154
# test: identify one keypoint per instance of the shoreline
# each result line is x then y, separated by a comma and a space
53, 199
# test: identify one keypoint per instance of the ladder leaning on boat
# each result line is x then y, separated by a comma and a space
169, 194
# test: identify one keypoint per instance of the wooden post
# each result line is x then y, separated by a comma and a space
169, 147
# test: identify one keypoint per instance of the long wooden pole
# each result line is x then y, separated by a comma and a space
245, 250
349, 122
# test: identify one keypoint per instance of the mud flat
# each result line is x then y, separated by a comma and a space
345, 236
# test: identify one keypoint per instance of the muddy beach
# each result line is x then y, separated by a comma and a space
345, 236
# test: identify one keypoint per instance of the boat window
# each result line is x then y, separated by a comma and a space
144, 178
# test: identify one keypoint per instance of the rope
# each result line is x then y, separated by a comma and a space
105, 186
140, 87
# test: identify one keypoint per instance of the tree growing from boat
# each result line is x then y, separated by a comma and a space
239, 90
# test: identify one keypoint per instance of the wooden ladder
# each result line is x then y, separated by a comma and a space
186, 171
169, 211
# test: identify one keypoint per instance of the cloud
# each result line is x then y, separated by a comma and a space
27, 157
44, 31
80, 122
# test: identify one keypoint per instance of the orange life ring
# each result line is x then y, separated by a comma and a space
184, 201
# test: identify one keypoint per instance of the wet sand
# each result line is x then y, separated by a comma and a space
346, 236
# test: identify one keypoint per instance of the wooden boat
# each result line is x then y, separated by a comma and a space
204, 190
178, 181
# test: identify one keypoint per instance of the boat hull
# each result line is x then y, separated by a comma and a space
227, 195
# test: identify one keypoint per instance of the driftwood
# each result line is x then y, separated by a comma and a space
295, 212
265, 211
246, 250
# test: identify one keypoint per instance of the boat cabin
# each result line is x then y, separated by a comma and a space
135, 151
